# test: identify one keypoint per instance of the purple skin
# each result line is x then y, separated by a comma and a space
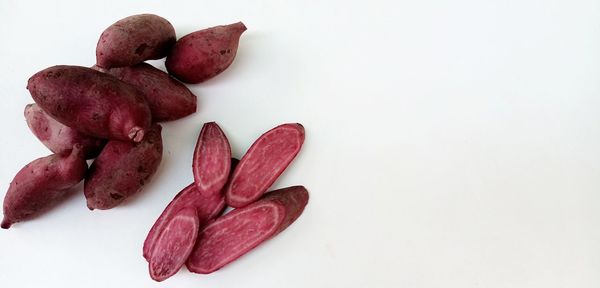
203, 54
41, 184
122, 169
133, 40
241, 230
168, 98
94, 103
266, 159
59, 138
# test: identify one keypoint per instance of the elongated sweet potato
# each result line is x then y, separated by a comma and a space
203, 54
92, 102
262, 164
174, 245
122, 169
41, 184
241, 230
207, 208
168, 98
59, 138
133, 40
212, 160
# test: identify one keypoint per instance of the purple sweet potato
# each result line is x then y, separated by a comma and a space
133, 40
174, 245
241, 230
59, 138
212, 160
122, 169
262, 164
168, 98
207, 208
94, 103
203, 54
41, 184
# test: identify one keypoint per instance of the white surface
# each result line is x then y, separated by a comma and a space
449, 143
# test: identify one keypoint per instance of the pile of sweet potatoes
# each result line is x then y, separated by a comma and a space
109, 112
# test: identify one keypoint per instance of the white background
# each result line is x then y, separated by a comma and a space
449, 143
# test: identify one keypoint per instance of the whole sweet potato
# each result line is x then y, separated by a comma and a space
168, 98
133, 40
122, 169
94, 103
41, 184
59, 138
204, 54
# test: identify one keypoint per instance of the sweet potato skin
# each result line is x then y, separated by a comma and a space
203, 54
41, 184
59, 138
122, 169
133, 40
92, 102
168, 98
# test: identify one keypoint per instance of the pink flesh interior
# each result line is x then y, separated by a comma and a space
206, 208
224, 241
265, 163
174, 245
213, 159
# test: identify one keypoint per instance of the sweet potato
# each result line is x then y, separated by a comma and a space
122, 169
203, 54
174, 245
212, 160
168, 98
41, 184
133, 40
59, 138
92, 102
262, 164
207, 208
241, 230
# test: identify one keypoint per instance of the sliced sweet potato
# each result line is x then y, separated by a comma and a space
241, 230
262, 164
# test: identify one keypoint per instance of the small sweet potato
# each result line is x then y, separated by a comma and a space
133, 40
41, 184
59, 138
122, 169
168, 98
92, 102
203, 54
